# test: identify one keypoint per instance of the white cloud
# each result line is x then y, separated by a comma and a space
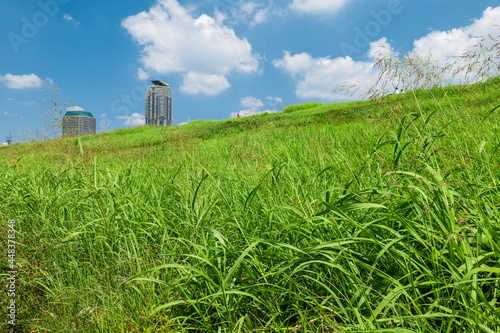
444, 45
317, 77
174, 41
69, 18
260, 16
379, 48
136, 119
74, 108
10, 99
251, 103
274, 100
252, 107
220, 17
250, 12
318, 6
202, 83
10, 114
142, 74
21, 81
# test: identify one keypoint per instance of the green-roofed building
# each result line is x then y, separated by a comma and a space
76, 123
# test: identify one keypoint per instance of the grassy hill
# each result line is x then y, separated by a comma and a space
376, 216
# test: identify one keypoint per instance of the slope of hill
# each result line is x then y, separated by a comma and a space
364, 216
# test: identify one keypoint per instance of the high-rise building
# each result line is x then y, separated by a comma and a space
159, 104
77, 123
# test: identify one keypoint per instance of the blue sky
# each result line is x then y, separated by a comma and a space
220, 57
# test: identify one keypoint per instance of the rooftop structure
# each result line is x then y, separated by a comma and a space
76, 123
159, 83
158, 108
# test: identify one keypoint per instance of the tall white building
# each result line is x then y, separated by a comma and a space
159, 104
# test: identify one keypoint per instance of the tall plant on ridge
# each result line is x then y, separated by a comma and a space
414, 71
52, 113
408, 72
480, 62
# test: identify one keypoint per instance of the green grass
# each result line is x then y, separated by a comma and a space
377, 216
298, 107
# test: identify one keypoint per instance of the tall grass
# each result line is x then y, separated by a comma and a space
413, 72
304, 106
381, 221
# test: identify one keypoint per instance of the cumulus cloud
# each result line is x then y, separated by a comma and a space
445, 45
21, 81
252, 106
316, 77
318, 6
142, 74
260, 16
379, 48
136, 119
74, 108
202, 83
251, 102
174, 41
